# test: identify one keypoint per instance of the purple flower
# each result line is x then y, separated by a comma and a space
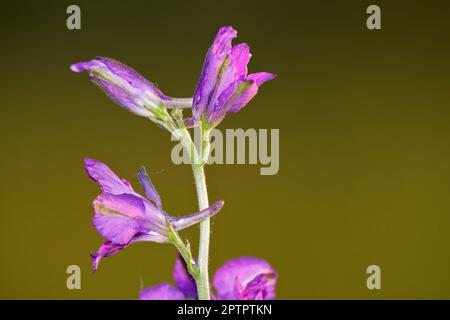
224, 85
128, 88
122, 216
243, 278
163, 291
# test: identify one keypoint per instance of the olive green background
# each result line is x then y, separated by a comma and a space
364, 125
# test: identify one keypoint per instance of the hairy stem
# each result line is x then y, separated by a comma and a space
203, 253
205, 225
197, 161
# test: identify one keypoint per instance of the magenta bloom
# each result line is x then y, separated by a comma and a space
128, 88
224, 85
122, 216
243, 278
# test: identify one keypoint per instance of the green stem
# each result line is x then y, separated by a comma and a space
197, 163
203, 253
205, 225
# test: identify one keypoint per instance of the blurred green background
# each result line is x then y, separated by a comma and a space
364, 123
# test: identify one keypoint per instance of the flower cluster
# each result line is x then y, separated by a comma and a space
123, 216
243, 278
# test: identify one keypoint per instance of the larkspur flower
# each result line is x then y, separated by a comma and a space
122, 216
243, 278
224, 85
128, 88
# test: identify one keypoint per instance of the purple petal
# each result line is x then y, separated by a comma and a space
236, 69
119, 218
245, 270
163, 291
107, 249
238, 290
110, 248
121, 97
224, 102
260, 288
187, 221
123, 84
106, 178
261, 77
234, 73
254, 80
214, 60
128, 74
183, 279
149, 189
239, 58
85, 65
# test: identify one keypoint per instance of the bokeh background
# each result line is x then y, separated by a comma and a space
364, 119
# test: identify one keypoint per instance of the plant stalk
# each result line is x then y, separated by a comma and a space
197, 162
203, 253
